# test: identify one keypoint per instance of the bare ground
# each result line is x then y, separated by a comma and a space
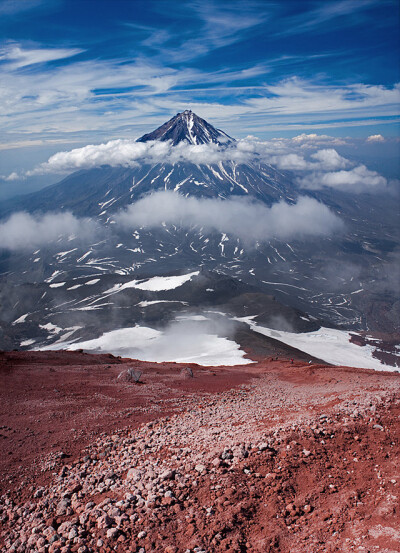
271, 457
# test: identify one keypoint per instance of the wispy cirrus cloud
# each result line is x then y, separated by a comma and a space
298, 96
17, 57
12, 8
217, 26
105, 95
122, 74
346, 12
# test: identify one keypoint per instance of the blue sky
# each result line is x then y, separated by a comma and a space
80, 71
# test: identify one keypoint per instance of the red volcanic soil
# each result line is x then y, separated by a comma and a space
270, 457
53, 403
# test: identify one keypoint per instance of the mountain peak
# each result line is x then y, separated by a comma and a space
189, 127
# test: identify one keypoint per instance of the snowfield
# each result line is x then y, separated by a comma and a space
21, 319
157, 284
329, 344
154, 284
148, 344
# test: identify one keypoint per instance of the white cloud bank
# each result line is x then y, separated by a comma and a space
323, 168
249, 221
376, 138
357, 180
129, 153
252, 222
23, 231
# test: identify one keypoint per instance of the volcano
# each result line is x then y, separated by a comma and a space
104, 190
61, 294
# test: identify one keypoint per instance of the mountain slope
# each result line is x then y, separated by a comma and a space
314, 276
103, 190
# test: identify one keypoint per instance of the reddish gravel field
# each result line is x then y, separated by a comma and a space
270, 457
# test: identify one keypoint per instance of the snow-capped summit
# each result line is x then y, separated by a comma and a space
189, 127
101, 191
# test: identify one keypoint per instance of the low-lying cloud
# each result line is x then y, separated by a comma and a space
23, 231
313, 140
357, 180
376, 138
191, 337
128, 153
248, 220
314, 167
251, 222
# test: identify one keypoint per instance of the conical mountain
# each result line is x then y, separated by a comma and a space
189, 127
104, 190
70, 285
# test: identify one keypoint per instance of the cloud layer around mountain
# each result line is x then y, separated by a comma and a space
357, 180
251, 222
313, 166
23, 231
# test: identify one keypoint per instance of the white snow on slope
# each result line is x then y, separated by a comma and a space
329, 344
53, 276
62, 339
155, 284
25, 343
91, 282
148, 344
53, 329
153, 302
21, 319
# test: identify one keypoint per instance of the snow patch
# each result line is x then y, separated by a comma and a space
27, 342
147, 303
157, 284
91, 282
21, 319
329, 344
149, 344
154, 284
53, 329
53, 276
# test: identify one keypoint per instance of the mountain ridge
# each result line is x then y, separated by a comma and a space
87, 191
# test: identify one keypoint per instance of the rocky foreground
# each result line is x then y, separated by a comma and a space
275, 457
